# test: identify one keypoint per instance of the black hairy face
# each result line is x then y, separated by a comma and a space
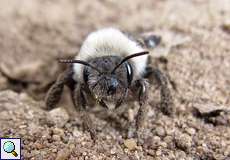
108, 85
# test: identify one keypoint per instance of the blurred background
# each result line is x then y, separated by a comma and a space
34, 33
195, 48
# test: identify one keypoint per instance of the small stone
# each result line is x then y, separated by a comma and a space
158, 152
190, 131
77, 133
58, 116
113, 151
22, 126
131, 115
131, 144
227, 151
63, 154
56, 138
154, 142
108, 137
163, 144
58, 131
180, 154
200, 150
168, 139
38, 146
54, 150
151, 152
156, 139
71, 146
207, 108
160, 131
219, 156
183, 141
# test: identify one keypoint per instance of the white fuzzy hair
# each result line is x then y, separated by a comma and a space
109, 41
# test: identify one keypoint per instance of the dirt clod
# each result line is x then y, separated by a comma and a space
160, 131
131, 144
58, 116
63, 154
183, 141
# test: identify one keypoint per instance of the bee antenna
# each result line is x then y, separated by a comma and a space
129, 57
78, 61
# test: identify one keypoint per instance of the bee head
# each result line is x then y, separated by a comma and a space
107, 77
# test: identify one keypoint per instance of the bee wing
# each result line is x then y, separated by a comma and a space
146, 40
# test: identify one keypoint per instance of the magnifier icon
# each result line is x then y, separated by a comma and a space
9, 147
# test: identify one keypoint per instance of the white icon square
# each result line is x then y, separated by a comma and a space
10, 148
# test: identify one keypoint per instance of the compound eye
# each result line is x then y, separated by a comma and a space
129, 71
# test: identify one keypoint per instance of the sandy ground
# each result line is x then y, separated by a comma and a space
195, 44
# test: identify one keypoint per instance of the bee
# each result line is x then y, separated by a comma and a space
110, 68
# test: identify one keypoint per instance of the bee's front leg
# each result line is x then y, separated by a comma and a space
80, 102
54, 94
140, 88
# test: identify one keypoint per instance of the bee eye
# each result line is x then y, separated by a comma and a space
129, 71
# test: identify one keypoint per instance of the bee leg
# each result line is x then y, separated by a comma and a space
54, 94
141, 86
166, 103
149, 73
79, 101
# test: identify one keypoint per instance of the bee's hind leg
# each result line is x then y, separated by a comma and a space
166, 103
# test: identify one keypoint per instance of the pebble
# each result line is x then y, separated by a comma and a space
22, 126
38, 146
180, 154
77, 133
151, 152
190, 131
160, 131
131, 144
163, 144
113, 151
56, 138
63, 154
158, 152
227, 151
131, 115
168, 139
54, 150
58, 131
183, 141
